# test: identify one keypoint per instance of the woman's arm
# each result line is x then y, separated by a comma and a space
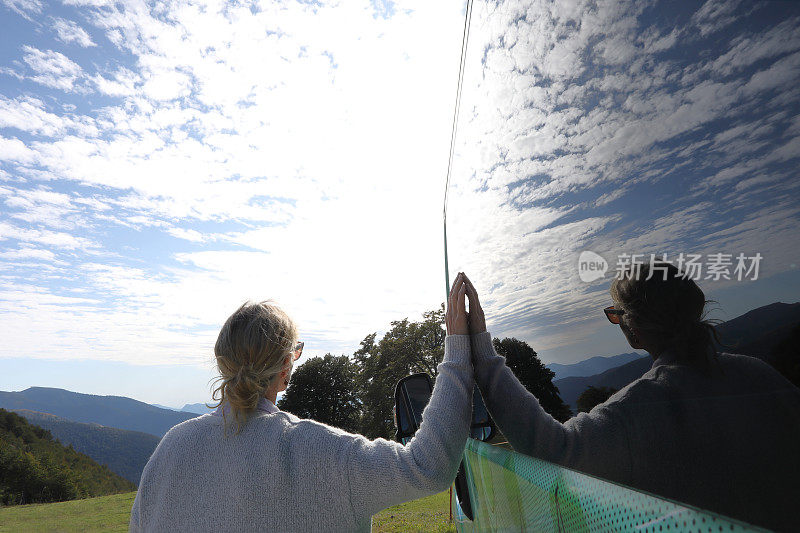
384, 473
595, 443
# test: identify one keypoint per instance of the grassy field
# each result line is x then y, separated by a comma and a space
111, 513
426, 514
106, 513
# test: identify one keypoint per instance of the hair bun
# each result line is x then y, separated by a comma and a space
245, 388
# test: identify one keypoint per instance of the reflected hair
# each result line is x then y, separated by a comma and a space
660, 299
253, 347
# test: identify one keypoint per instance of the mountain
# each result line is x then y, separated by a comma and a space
165, 407
112, 411
758, 331
570, 388
35, 468
124, 452
593, 365
197, 408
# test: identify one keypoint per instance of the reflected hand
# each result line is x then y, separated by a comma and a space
456, 318
477, 320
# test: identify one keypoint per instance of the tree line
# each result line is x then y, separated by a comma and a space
357, 393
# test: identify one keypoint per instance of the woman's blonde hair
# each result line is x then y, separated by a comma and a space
252, 349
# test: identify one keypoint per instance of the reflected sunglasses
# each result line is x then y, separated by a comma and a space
298, 350
613, 314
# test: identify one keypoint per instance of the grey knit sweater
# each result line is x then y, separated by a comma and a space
282, 473
727, 442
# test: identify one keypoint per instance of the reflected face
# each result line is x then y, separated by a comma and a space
633, 339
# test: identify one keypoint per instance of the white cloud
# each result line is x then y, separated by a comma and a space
15, 150
28, 253
24, 8
68, 32
187, 234
714, 15
53, 69
58, 239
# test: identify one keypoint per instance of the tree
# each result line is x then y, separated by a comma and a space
325, 389
408, 347
593, 396
530, 371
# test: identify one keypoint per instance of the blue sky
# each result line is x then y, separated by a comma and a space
161, 163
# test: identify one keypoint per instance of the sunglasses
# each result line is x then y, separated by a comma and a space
298, 350
613, 314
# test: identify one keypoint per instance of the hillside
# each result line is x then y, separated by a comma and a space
125, 452
112, 411
593, 365
570, 388
34, 467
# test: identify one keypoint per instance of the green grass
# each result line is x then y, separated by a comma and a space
426, 514
111, 513
105, 513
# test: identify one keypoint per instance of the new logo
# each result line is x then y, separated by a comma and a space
591, 266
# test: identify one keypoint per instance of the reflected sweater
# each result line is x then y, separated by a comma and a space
726, 442
283, 473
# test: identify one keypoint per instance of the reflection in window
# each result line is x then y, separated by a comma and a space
618, 129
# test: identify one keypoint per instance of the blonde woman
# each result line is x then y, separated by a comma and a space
251, 467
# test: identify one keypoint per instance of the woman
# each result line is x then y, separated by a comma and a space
717, 431
257, 468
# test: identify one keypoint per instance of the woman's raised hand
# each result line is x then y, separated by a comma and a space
477, 320
456, 319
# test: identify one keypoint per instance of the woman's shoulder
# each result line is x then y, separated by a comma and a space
753, 370
296, 424
664, 383
189, 427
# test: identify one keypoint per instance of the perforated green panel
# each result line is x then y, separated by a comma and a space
514, 492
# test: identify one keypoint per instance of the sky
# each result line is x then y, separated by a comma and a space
162, 162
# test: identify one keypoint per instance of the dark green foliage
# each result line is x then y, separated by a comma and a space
531, 372
125, 452
407, 348
35, 468
593, 396
324, 389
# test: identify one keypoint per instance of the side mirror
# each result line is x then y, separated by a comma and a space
411, 395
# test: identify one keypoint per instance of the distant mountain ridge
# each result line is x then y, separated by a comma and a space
593, 365
124, 452
758, 331
197, 408
112, 411
570, 388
